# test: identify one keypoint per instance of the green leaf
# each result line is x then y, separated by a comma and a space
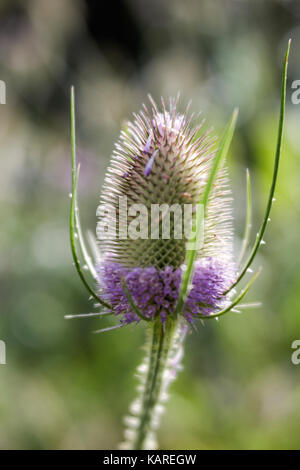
236, 300
84, 252
72, 223
191, 254
263, 226
248, 220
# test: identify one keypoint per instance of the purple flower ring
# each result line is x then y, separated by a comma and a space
155, 291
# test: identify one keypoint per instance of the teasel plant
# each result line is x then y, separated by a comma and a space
167, 284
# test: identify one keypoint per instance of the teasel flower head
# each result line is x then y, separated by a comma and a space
165, 232
163, 163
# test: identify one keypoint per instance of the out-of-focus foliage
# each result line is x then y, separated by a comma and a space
63, 387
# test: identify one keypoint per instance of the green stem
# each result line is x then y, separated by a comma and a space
157, 380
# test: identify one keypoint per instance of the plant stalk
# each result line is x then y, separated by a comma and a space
164, 355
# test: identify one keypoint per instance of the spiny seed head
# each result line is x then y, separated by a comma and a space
162, 158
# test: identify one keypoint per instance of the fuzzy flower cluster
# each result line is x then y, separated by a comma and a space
162, 159
156, 291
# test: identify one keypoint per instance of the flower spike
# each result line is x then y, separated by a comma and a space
87, 315
109, 328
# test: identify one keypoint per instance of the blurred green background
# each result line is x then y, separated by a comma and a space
63, 387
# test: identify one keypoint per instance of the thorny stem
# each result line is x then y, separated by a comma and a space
159, 375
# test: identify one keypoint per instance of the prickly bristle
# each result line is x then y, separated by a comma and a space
161, 157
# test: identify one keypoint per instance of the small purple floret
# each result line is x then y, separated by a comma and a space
148, 144
155, 291
149, 165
